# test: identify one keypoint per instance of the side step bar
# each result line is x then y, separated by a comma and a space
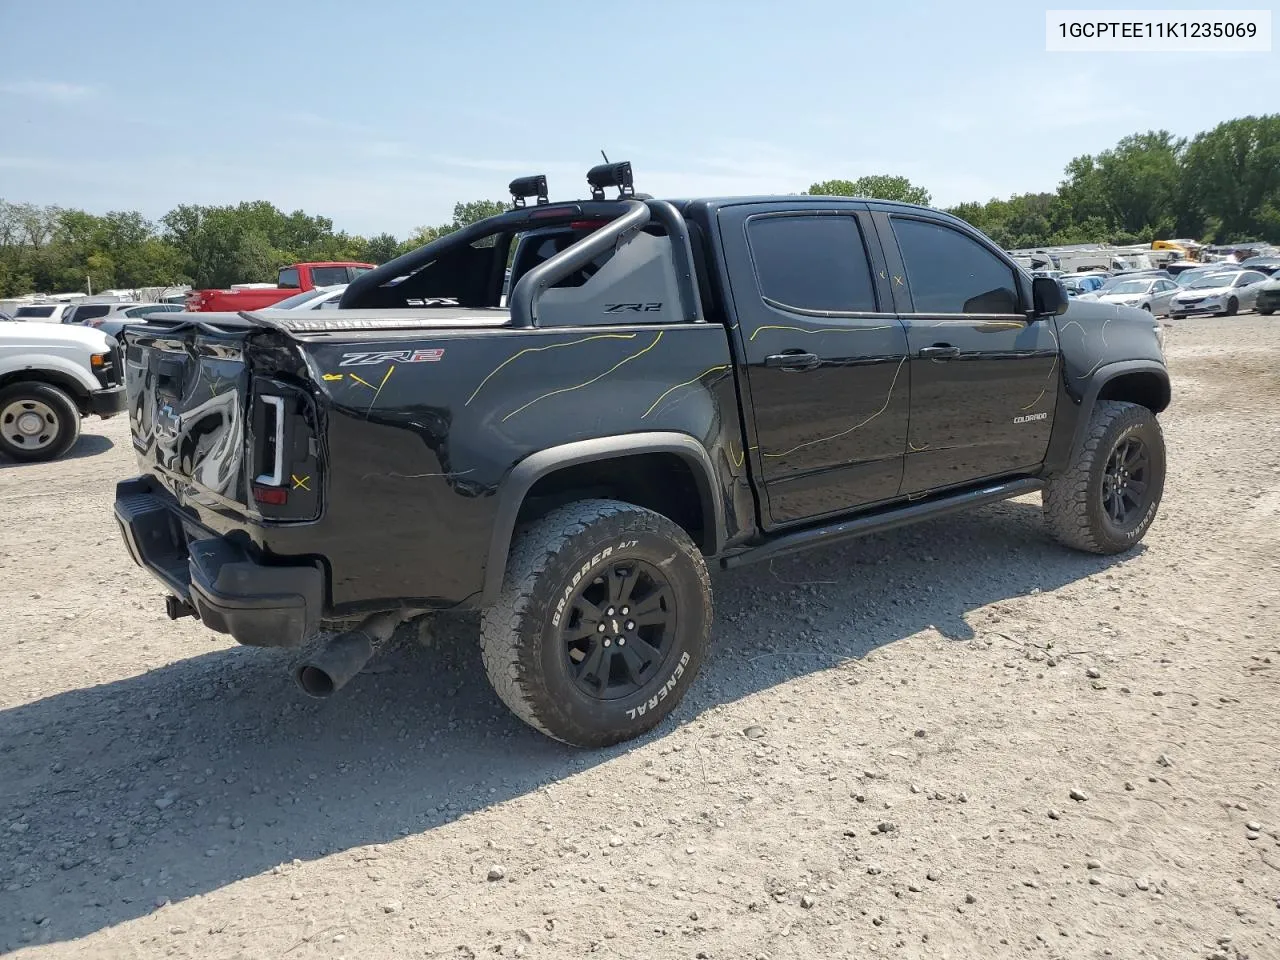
882, 520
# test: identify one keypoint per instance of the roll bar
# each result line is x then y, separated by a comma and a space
523, 300
626, 218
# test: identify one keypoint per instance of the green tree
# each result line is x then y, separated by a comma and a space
1231, 178
382, 248
879, 186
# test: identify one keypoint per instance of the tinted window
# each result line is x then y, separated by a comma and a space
91, 312
1247, 278
951, 273
289, 278
812, 263
34, 312
328, 276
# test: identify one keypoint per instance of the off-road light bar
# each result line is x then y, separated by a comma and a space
611, 175
535, 186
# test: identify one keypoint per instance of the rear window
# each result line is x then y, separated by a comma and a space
289, 277
34, 312
326, 276
812, 263
91, 312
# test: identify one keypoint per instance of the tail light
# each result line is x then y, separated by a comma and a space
271, 451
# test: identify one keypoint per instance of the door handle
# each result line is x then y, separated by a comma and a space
940, 351
793, 361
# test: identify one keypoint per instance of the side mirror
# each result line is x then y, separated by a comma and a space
1049, 296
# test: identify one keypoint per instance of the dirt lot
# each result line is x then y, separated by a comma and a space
954, 741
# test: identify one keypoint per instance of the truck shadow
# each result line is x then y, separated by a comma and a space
89, 445
185, 779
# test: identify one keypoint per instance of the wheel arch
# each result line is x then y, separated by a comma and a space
581, 465
1144, 382
68, 384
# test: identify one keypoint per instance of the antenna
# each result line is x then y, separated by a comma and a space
605, 155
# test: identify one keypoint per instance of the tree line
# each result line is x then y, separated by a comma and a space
1219, 186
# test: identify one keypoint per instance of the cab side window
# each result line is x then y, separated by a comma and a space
950, 272
811, 263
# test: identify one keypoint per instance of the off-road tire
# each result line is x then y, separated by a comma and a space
521, 643
64, 410
1073, 499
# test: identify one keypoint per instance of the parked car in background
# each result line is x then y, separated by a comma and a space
42, 312
321, 298
297, 278
1268, 265
1151, 294
1088, 283
124, 313
82, 312
1223, 294
50, 377
1268, 301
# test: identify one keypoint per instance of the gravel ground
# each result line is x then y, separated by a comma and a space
957, 740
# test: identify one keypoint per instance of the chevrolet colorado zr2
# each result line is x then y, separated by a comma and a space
669, 387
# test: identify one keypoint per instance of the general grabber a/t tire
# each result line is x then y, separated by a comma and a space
1106, 499
602, 624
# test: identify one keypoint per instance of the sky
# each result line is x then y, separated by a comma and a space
381, 117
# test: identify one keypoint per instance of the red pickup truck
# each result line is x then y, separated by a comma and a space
294, 279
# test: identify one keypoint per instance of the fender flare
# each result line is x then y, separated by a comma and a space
1104, 375
520, 480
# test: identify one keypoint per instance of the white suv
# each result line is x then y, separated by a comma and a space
50, 377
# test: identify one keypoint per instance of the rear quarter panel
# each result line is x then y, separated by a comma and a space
421, 431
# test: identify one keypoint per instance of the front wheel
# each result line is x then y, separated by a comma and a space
1267, 313
1106, 500
37, 422
1233, 307
602, 624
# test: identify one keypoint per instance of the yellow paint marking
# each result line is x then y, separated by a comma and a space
898, 281
334, 376
723, 366
837, 436
1052, 367
780, 326
550, 346
357, 379
387, 376
587, 383
736, 458
299, 484
915, 449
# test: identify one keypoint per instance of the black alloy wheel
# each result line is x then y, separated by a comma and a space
1125, 481
618, 632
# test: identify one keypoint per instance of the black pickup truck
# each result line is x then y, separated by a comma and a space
669, 386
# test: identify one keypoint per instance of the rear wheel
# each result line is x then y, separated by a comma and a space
1106, 500
602, 624
38, 422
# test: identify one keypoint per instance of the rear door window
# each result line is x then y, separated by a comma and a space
950, 272
810, 263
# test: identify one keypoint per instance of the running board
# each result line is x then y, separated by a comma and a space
882, 520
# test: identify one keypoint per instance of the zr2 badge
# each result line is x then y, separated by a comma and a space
392, 356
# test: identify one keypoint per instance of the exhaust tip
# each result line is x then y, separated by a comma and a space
314, 681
